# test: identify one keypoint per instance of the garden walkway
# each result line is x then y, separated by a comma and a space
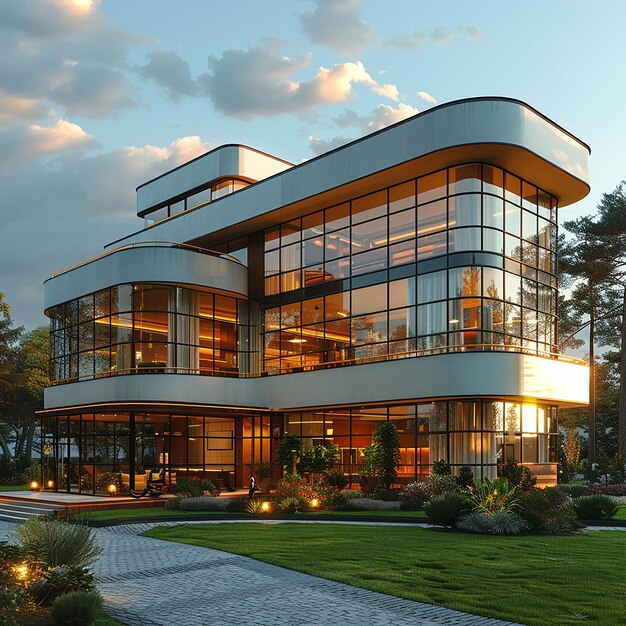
149, 582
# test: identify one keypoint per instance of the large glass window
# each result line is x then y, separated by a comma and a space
145, 329
479, 241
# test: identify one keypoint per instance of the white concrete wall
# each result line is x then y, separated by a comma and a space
458, 375
148, 264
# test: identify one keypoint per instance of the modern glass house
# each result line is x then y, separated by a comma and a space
407, 276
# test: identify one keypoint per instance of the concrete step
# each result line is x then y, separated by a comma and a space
12, 511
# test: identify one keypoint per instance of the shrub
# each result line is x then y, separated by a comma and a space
441, 468
595, 507
413, 497
173, 504
203, 504
295, 486
12, 470
439, 484
368, 504
518, 475
56, 542
444, 510
288, 505
497, 496
264, 470
318, 458
351, 494
549, 510
335, 479
12, 601
236, 505
575, 491
618, 489
195, 488
56, 581
78, 608
503, 523
465, 479
254, 506
329, 497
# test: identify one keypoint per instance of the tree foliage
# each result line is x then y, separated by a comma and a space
382, 456
24, 358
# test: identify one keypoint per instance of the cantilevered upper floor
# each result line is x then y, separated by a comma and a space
502, 131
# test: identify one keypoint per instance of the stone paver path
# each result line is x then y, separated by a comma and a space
149, 582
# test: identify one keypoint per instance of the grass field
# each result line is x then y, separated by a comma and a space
536, 580
14, 488
160, 512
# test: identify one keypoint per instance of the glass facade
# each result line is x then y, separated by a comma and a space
479, 434
148, 328
461, 259
85, 453
198, 198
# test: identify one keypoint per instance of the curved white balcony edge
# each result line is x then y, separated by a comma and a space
461, 375
148, 263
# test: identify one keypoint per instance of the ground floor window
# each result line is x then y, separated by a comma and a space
85, 453
481, 434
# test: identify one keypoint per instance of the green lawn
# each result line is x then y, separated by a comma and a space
160, 512
535, 580
14, 487
621, 513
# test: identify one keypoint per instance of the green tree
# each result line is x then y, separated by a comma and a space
317, 459
593, 261
382, 456
24, 359
289, 452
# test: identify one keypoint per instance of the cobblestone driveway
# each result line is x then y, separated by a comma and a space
148, 582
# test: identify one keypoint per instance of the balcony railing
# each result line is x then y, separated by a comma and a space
147, 244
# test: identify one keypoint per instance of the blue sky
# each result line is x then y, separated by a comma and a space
96, 98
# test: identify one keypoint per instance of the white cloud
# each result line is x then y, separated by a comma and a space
424, 95
170, 72
14, 108
78, 204
338, 25
382, 116
22, 143
320, 146
436, 36
261, 81
63, 52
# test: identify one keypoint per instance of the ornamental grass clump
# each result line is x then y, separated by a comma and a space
501, 523
445, 510
595, 507
56, 542
493, 496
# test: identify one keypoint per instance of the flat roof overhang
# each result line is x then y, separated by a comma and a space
500, 131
